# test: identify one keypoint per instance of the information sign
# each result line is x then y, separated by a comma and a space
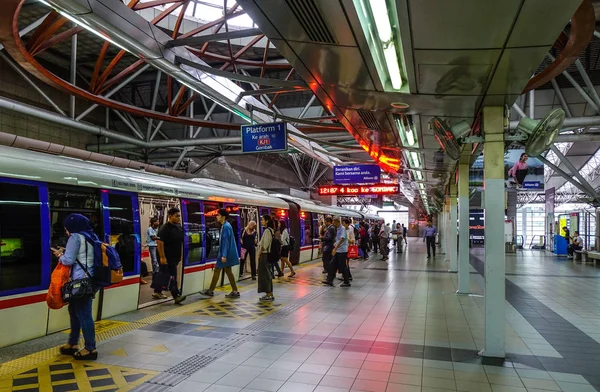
356, 174
357, 190
270, 137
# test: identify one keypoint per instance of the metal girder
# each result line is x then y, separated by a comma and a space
564, 160
275, 90
561, 98
240, 77
572, 122
566, 176
571, 138
580, 89
202, 39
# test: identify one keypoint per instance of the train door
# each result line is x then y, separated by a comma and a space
192, 213
248, 214
212, 235
296, 230
152, 207
120, 213
63, 201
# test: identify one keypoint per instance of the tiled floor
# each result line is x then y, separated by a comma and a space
400, 327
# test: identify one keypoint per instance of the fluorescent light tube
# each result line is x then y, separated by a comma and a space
381, 19
391, 60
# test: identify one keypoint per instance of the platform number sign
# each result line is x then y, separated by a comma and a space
261, 138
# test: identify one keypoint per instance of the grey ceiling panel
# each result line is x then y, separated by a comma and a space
539, 20
515, 69
459, 24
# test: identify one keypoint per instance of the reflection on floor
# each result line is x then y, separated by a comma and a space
400, 327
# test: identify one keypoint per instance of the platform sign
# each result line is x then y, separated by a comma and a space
358, 190
270, 137
356, 174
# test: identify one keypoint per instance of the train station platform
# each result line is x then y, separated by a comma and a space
400, 327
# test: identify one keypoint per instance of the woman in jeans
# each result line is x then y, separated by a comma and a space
249, 240
285, 249
80, 311
265, 280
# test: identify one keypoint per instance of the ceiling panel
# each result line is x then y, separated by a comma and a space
539, 20
581, 148
515, 69
459, 24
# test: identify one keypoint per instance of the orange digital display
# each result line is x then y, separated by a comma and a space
358, 190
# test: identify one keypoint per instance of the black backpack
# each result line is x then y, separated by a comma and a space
275, 252
292, 243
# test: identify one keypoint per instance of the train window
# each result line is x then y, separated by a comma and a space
234, 219
307, 229
64, 201
194, 230
212, 229
317, 219
122, 234
20, 237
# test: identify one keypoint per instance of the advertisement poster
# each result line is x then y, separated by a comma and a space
520, 173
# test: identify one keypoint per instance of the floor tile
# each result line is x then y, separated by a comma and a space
369, 385
540, 384
296, 387
391, 387
265, 385
469, 386
441, 383
410, 379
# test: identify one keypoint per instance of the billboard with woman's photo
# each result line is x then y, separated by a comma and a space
520, 171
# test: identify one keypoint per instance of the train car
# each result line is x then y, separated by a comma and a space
38, 190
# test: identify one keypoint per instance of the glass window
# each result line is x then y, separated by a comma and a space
20, 237
213, 232
317, 219
194, 230
234, 216
122, 234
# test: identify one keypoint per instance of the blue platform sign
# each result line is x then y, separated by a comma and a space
356, 174
270, 137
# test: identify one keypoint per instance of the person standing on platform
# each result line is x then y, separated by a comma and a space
384, 238
340, 255
429, 237
285, 249
567, 235
170, 246
576, 245
404, 232
328, 242
227, 257
265, 278
364, 240
77, 254
249, 241
375, 237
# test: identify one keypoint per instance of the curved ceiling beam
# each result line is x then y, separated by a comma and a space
583, 24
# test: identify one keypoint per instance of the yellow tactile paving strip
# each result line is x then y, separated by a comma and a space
240, 310
108, 329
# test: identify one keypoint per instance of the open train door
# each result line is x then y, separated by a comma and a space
295, 231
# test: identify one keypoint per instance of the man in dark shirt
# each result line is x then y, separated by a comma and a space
170, 246
567, 235
328, 242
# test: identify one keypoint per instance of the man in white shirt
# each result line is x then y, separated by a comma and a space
576, 245
384, 236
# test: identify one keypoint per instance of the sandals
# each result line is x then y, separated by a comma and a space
68, 350
90, 356
292, 275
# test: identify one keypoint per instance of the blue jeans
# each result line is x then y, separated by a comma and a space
154, 258
80, 313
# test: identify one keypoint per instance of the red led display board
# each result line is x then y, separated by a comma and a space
357, 190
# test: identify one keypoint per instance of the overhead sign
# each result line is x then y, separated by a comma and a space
356, 174
264, 137
357, 190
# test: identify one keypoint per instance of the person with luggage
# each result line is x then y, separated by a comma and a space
265, 278
79, 255
170, 250
227, 257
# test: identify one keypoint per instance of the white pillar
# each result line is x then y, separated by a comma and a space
442, 229
452, 232
494, 204
464, 265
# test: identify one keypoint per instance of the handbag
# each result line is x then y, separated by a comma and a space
60, 276
243, 252
161, 279
77, 289
352, 251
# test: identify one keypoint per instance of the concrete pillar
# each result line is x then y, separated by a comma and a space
493, 174
452, 251
464, 265
443, 222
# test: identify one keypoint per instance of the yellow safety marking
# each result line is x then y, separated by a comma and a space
15, 366
237, 310
119, 353
160, 349
79, 376
105, 325
205, 328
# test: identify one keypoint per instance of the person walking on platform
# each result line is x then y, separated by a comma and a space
77, 254
170, 245
404, 232
340, 255
429, 237
226, 258
351, 241
249, 241
285, 249
375, 237
265, 278
384, 238
576, 245
322, 231
364, 240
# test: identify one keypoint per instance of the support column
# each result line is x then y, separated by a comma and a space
464, 265
493, 174
453, 253
442, 229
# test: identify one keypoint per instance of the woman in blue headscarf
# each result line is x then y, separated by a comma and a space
78, 228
